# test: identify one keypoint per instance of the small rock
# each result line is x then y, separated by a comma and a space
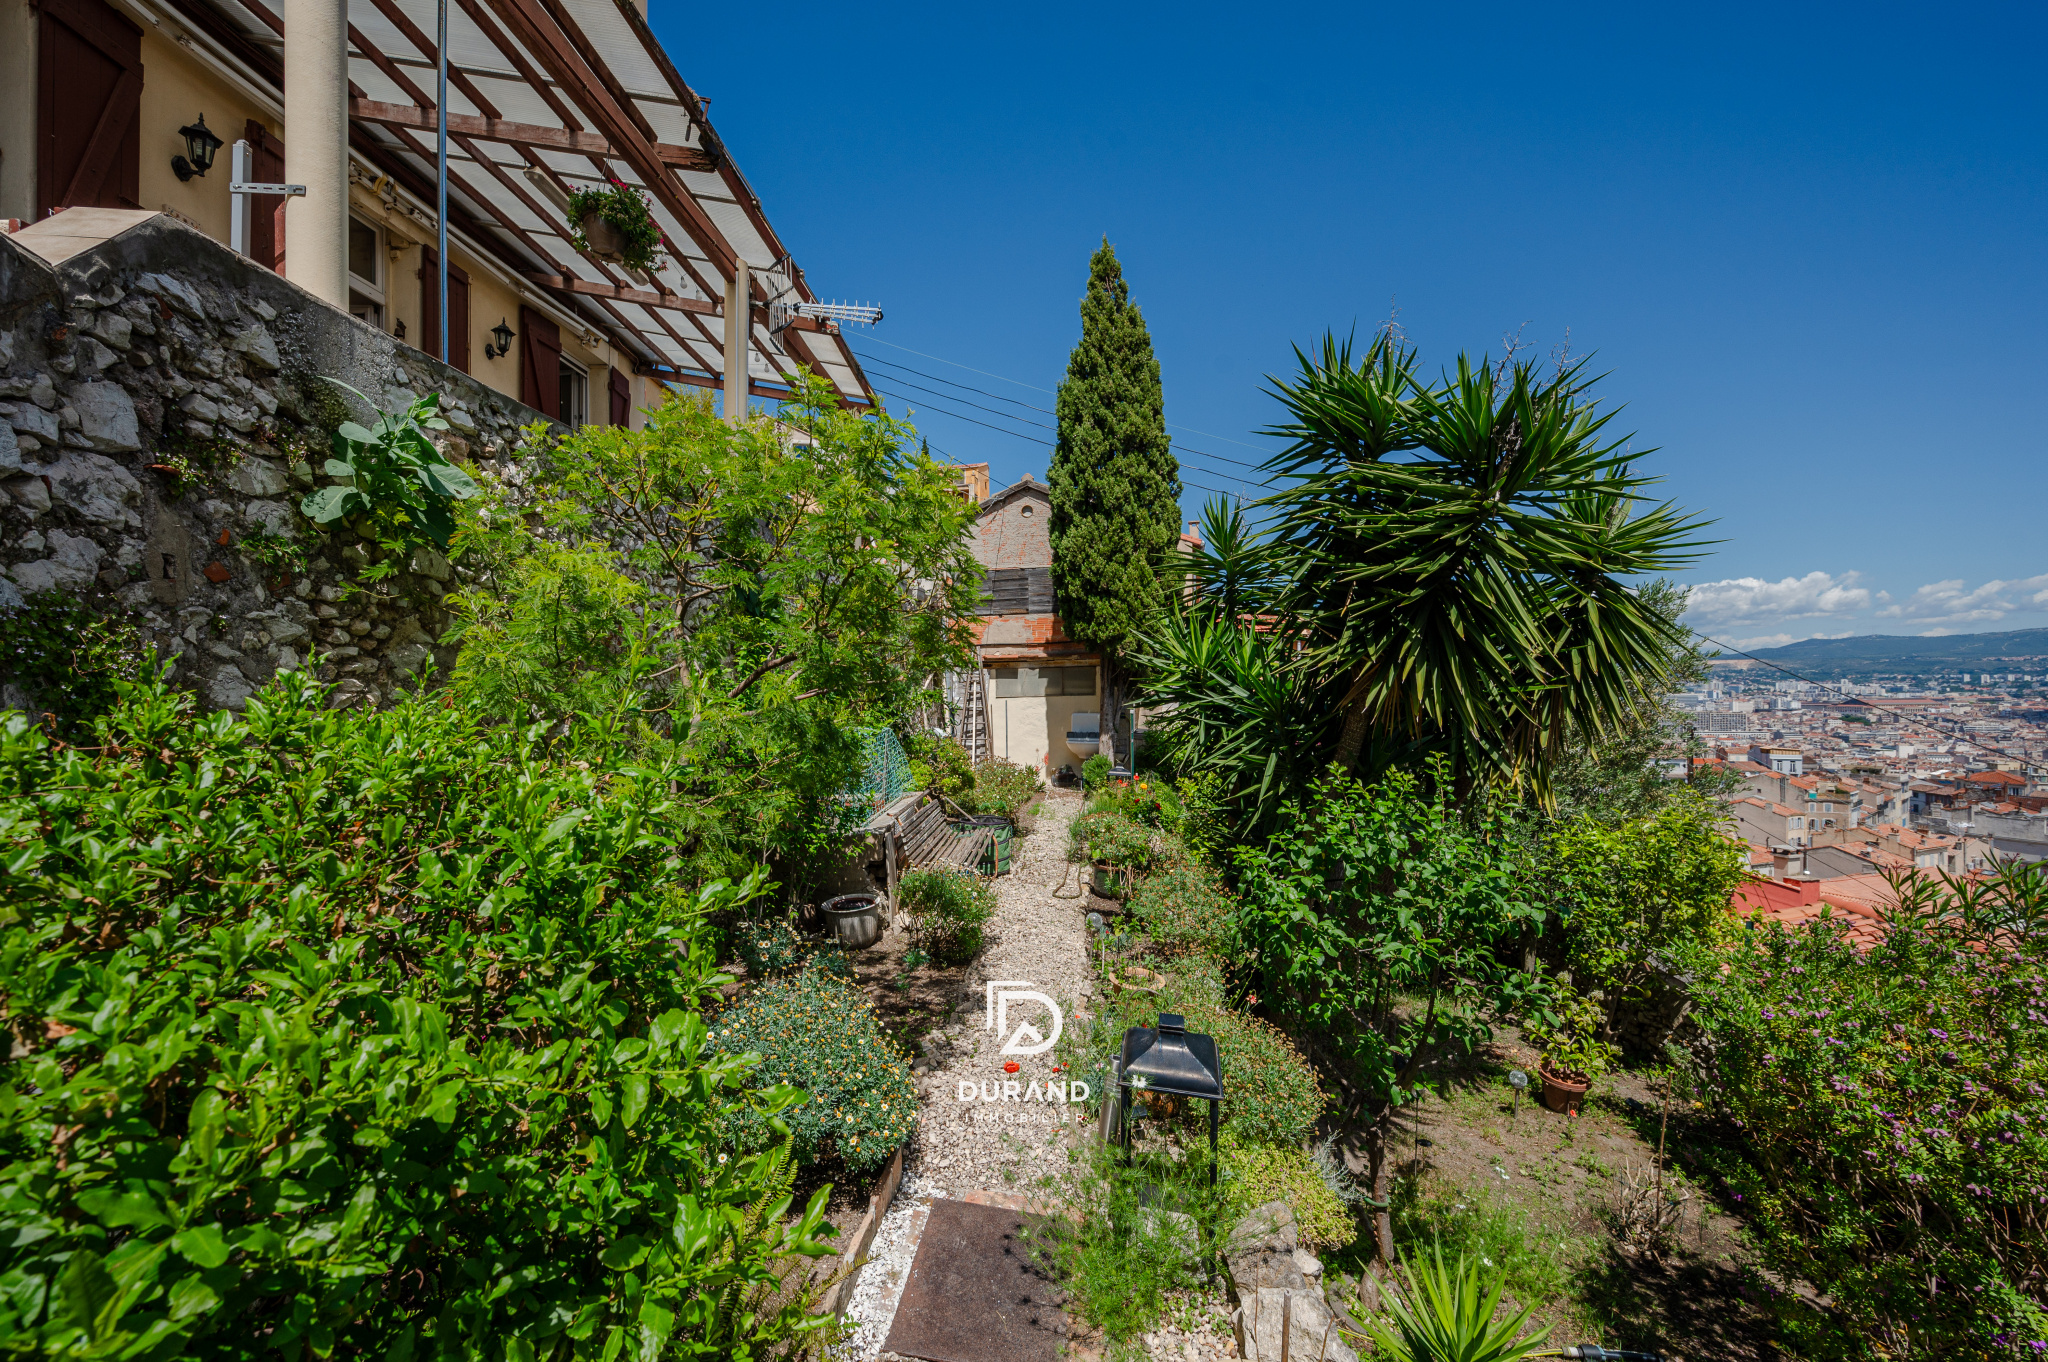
257, 345
258, 478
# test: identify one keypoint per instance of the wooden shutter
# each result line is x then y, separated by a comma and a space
430, 309
1017, 591
621, 389
540, 363
266, 211
89, 107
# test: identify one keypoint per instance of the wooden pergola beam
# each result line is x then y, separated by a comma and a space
514, 134
546, 42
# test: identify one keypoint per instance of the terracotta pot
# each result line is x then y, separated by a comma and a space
604, 238
1561, 1093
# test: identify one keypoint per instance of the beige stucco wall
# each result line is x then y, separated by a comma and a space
176, 90
17, 110
1032, 730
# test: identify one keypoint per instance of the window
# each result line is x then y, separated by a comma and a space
365, 279
575, 385
1019, 683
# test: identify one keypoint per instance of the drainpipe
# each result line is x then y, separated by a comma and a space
316, 131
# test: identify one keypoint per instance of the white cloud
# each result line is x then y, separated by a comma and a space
1754, 602
1944, 607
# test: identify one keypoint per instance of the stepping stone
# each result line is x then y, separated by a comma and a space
974, 1293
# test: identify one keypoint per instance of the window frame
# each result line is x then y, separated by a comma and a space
574, 379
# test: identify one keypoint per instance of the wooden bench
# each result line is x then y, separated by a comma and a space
928, 838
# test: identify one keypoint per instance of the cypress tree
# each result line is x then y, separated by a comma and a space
1114, 481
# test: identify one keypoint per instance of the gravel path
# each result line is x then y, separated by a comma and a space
1038, 941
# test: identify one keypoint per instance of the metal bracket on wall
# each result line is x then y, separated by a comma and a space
239, 193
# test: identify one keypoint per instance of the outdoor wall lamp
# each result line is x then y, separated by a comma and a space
200, 145
503, 335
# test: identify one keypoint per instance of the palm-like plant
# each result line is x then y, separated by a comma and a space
1457, 557
1230, 572
1447, 1315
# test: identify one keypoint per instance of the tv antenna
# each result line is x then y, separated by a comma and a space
785, 306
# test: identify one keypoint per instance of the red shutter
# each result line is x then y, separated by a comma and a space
622, 397
266, 211
540, 363
430, 309
89, 107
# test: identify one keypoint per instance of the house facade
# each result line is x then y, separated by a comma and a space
1035, 698
133, 108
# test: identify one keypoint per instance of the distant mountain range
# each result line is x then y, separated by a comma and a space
2016, 650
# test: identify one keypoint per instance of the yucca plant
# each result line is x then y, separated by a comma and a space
1448, 1315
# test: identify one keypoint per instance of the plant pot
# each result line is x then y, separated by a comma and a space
855, 920
1563, 1092
605, 239
1110, 882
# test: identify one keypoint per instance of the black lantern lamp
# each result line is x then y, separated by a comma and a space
200, 145
503, 334
1171, 1062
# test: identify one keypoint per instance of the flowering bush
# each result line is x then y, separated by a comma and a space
1002, 787
820, 1034
767, 946
1895, 1113
948, 908
1111, 838
1146, 800
1184, 909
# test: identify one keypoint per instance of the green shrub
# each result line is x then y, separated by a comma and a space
70, 658
1256, 1174
1111, 838
363, 1034
1184, 909
821, 1034
1567, 1034
1893, 1116
948, 907
940, 765
1002, 787
1145, 800
1095, 772
768, 946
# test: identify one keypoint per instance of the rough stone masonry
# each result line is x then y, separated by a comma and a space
161, 348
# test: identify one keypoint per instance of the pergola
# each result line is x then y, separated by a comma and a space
546, 97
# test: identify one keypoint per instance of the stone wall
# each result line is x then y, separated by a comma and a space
161, 348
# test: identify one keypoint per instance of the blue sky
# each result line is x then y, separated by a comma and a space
1807, 244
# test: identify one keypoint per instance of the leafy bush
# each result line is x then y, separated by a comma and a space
1567, 1034
1095, 772
1655, 886
821, 1034
1111, 838
940, 765
69, 658
1256, 1174
1185, 909
363, 1034
768, 946
1894, 1117
1003, 787
1146, 800
393, 474
948, 909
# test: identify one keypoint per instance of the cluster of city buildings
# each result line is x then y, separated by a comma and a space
1843, 786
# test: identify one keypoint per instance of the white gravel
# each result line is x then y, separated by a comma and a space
1035, 940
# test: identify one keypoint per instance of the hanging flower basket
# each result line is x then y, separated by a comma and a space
613, 222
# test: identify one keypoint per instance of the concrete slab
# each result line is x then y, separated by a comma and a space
974, 1293
62, 235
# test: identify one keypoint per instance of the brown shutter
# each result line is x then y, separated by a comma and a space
89, 107
540, 363
430, 309
266, 211
622, 397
